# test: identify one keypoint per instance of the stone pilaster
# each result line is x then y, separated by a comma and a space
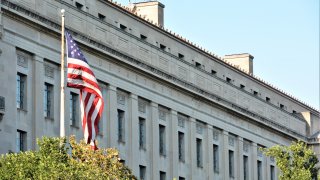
239, 158
112, 116
209, 151
133, 142
154, 143
225, 154
38, 86
173, 146
254, 170
192, 147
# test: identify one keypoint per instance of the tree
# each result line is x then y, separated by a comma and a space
296, 162
57, 159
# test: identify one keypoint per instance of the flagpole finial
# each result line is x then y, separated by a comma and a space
62, 12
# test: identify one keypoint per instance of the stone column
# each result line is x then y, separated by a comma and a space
209, 152
133, 141
154, 143
112, 116
173, 146
254, 170
225, 154
239, 156
104, 119
192, 148
38, 92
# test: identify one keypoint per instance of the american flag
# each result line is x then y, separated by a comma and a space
80, 76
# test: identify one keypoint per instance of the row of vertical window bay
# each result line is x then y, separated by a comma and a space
74, 98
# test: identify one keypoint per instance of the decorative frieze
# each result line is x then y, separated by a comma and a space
142, 106
246, 146
22, 60
215, 134
49, 71
121, 99
231, 140
181, 120
162, 115
199, 127
259, 151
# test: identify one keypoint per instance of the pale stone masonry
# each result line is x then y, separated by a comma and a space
173, 109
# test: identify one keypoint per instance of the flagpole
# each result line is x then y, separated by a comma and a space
62, 96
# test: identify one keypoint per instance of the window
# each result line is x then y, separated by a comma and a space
282, 106
142, 172
163, 47
228, 80
79, 6
74, 109
21, 91
242, 86
143, 37
101, 17
100, 125
121, 129
245, 168
162, 147
182, 178
272, 173
123, 27
122, 161
21, 138
181, 146
231, 164
199, 152
198, 65
294, 112
142, 133
213, 72
255, 93
216, 158
162, 175
181, 56
259, 168
267, 99
48, 99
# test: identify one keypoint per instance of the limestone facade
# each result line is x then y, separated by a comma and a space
172, 109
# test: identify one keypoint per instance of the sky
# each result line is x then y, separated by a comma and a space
283, 37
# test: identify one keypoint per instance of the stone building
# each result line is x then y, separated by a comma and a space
173, 109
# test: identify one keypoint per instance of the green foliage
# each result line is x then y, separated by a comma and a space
53, 161
296, 162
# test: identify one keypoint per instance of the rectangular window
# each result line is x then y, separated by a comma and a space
216, 158
267, 99
121, 128
142, 172
272, 173
162, 136
199, 152
255, 93
181, 56
242, 86
48, 99
162, 175
21, 141
142, 133
245, 168
21, 91
231, 164
181, 146
259, 168
163, 47
101, 17
228, 80
198, 65
182, 178
74, 107
79, 6
143, 37
213, 72
123, 27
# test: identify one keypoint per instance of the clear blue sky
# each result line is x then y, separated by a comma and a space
282, 35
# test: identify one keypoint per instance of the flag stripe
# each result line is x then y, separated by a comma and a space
81, 76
